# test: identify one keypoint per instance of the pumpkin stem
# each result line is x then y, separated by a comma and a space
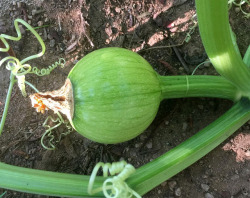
60, 100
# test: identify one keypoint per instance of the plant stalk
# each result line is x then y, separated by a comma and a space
216, 37
7, 102
159, 170
197, 86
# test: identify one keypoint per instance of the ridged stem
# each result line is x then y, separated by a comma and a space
197, 86
45, 182
215, 33
159, 170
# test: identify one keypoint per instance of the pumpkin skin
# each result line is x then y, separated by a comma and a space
116, 95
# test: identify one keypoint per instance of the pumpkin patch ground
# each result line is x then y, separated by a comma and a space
72, 29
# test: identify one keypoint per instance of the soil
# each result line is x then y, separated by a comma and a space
73, 28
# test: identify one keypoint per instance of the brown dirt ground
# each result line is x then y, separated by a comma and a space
79, 27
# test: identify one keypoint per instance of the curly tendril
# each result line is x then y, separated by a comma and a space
116, 186
48, 133
3, 38
46, 71
239, 4
18, 68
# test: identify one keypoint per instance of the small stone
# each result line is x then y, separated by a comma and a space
22, 30
118, 10
137, 145
235, 177
204, 176
19, 4
52, 43
177, 192
166, 122
209, 195
205, 187
164, 183
184, 126
237, 9
46, 19
172, 185
34, 113
40, 23
201, 107
50, 37
149, 145
33, 12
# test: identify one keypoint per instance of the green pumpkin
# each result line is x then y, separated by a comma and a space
116, 95
110, 96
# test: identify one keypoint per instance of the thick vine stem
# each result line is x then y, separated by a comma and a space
198, 86
218, 42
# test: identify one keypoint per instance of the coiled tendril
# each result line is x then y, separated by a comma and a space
59, 120
18, 68
116, 186
46, 71
242, 2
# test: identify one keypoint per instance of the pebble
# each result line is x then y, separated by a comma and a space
52, 43
149, 145
235, 177
205, 187
209, 195
40, 23
50, 37
33, 12
19, 4
184, 126
207, 64
22, 30
237, 9
172, 185
201, 107
177, 192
